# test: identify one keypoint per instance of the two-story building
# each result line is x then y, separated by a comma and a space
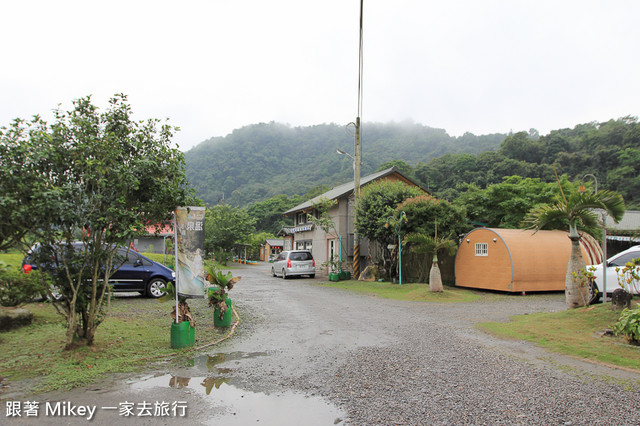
338, 242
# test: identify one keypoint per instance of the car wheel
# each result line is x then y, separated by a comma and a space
312, 275
284, 274
273, 272
156, 287
593, 293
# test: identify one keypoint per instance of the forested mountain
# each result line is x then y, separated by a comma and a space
259, 161
610, 151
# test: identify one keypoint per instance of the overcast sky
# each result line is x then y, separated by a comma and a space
216, 65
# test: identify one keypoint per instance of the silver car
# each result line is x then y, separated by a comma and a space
295, 262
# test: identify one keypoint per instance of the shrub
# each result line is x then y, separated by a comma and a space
629, 324
16, 287
222, 257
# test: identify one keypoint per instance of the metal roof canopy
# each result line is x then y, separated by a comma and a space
347, 188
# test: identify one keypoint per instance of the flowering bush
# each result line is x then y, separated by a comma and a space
17, 287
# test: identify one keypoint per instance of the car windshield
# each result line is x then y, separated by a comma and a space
303, 255
622, 260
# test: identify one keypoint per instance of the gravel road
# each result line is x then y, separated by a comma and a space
306, 354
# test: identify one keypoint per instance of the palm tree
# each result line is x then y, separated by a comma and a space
422, 243
574, 212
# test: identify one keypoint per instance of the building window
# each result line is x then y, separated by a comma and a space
301, 218
482, 249
304, 245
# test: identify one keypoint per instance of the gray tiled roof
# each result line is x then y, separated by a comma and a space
345, 189
629, 222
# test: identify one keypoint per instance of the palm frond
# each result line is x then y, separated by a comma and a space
578, 208
420, 243
547, 216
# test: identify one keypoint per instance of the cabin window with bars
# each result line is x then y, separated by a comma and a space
482, 249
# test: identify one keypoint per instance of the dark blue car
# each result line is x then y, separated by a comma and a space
136, 272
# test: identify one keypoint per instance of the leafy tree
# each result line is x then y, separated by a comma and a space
268, 214
521, 146
425, 212
226, 226
376, 204
97, 177
401, 165
256, 240
426, 244
315, 191
505, 204
570, 212
429, 216
19, 181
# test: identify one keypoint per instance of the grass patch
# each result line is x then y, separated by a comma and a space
409, 292
14, 259
168, 260
135, 333
165, 259
572, 332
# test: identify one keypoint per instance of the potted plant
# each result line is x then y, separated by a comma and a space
334, 268
183, 328
218, 296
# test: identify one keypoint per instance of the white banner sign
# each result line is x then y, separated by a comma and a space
190, 251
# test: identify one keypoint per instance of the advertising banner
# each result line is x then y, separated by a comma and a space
190, 251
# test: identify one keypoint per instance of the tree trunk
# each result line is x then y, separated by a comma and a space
435, 279
576, 292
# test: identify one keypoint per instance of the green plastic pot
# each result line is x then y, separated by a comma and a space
182, 335
345, 275
226, 318
334, 276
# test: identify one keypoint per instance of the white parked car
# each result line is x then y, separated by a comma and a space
295, 262
617, 261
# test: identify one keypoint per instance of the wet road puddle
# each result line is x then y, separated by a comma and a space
210, 362
235, 406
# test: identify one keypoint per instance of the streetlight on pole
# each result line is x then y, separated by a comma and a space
398, 228
341, 152
604, 237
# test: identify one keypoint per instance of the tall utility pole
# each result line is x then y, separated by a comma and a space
356, 163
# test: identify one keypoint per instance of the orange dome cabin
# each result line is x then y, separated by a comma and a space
516, 260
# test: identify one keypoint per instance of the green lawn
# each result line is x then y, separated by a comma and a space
135, 333
14, 259
410, 292
575, 332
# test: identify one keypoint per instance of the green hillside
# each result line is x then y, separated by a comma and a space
258, 161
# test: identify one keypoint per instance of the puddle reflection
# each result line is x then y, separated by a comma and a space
235, 406
211, 361
210, 382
